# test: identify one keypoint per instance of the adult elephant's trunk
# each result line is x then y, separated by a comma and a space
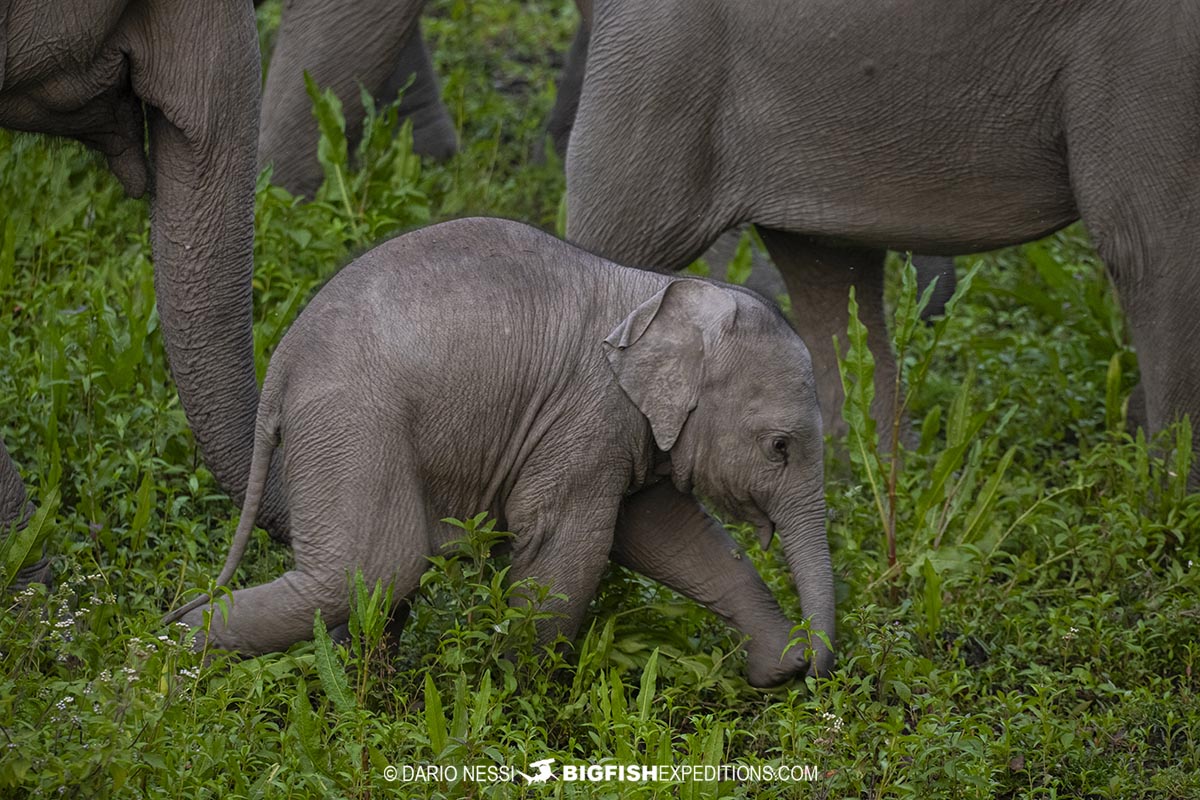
202, 112
800, 524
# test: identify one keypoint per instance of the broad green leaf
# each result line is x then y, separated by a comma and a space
1114, 407
8, 244
435, 719
645, 698
145, 503
23, 548
857, 372
987, 499
462, 707
330, 669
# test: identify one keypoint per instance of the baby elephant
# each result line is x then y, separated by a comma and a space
483, 365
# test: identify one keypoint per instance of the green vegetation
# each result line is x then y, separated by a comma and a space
1035, 638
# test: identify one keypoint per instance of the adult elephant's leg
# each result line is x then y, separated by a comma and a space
654, 197
15, 510
202, 117
1152, 263
650, 222
433, 129
570, 82
1139, 196
341, 45
941, 269
631, 208
1160, 303
665, 535
819, 278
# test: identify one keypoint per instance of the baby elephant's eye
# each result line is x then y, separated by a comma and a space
774, 448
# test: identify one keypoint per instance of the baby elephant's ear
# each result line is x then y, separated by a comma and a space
658, 351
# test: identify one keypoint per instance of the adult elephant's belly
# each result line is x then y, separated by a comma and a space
937, 205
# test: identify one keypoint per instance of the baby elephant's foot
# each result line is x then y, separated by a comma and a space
194, 620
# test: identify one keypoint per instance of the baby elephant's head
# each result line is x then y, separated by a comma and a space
728, 389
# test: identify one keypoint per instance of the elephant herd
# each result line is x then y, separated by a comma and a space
838, 128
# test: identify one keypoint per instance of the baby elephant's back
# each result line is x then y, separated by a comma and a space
473, 305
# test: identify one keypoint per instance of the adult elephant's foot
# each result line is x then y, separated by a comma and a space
434, 135
15, 513
38, 572
32, 572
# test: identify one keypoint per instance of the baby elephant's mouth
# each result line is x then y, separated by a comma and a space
732, 511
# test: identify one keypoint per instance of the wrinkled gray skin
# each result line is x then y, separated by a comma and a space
767, 281
388, 51
186, 74
484, 365
941, 126
378, 44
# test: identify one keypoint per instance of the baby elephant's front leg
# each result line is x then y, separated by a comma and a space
567, 553
664, 534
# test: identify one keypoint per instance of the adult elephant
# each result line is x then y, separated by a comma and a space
185, 75
376, 44
944, 126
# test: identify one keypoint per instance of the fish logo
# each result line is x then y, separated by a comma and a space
543, 773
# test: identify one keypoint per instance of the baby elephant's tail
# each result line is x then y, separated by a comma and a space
266, 430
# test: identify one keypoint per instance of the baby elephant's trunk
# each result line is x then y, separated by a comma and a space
801, 530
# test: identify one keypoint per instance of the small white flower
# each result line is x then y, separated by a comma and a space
834, 721
190, 672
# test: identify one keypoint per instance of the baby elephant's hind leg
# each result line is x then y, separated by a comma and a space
349, 512
274, 616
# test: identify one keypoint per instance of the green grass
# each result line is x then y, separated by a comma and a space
1037, 637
